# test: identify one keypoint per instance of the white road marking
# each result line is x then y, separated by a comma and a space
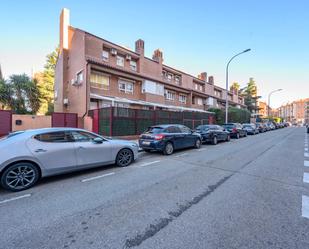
146, 164
306, 163
305, 206
15, 198
201, 149
97, 177
306, 178
180, 155
306, 154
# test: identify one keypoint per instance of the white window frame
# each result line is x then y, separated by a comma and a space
126, 89
182, 98
177, 80
169, 77
134, 66
118, 59
80, 77
199, 101
170, 95
105, 55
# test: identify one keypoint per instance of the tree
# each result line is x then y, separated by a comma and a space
20, 94
235, 86
250, 96
46, 81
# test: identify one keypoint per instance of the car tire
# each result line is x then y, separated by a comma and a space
228, 138
237, 136
168, 149
124, 158
214, 140
20, 176
197, 144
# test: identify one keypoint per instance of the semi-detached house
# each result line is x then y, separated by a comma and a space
92, 73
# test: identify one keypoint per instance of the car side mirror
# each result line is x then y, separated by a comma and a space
98, 140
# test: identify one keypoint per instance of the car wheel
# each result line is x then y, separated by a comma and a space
214, 140
237, 136
197, 144
20, 176
124, 158
168, 149
228, 138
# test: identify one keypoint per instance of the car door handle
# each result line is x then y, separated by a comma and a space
40, 150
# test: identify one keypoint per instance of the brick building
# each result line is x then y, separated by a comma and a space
92, 73
295, 111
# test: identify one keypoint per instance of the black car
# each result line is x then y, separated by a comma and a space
213, 133
236, 130
251, 128
169, 137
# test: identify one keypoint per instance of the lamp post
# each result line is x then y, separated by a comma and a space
227, 83
269, 95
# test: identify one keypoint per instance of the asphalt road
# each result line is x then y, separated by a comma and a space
249, 193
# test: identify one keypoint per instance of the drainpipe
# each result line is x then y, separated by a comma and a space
86, 91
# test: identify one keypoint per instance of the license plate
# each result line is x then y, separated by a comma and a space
146, 142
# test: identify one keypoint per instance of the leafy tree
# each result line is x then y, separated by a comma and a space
235, 86
46, 80
20, 94
250, 96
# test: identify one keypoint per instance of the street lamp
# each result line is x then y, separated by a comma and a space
227, 83
268, 109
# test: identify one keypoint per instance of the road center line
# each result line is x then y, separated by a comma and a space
306, 178
15, 198
146, 164
97, 177
305, 206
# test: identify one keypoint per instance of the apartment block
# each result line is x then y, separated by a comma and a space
92, 73
295, 112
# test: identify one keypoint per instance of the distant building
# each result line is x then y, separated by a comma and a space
92, 73
295, 112
263, 109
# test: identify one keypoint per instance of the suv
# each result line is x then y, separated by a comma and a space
236, 130
169, 137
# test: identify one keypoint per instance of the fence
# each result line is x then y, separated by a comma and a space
5, 122
118, 121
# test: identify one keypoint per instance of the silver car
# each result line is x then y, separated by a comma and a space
27, 156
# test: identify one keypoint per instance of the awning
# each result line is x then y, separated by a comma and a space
145, 103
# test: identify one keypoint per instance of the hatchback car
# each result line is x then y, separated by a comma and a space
168, 138
213, 133
236, 130
261, 127
251, 129
29, 155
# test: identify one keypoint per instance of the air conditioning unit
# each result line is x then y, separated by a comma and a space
113, 51
128, 57
65, 101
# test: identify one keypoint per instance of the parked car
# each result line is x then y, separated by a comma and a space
168, 138
213, 133
261, 127
251, 129
236, 130
29, 155
308, 128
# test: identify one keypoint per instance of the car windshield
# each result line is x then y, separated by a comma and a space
155, 130
228, 125
13, 134
247, 126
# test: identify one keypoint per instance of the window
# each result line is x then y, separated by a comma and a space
105, 55
133, 65
81, 136
120, 61
99, 81
184, 129
169, 95
125, 86
182, 98
173, 129
199, 101
54, 137
80, 77
177, 80
169, 77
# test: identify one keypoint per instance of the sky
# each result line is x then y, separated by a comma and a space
195, 36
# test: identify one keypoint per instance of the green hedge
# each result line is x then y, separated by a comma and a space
236, 115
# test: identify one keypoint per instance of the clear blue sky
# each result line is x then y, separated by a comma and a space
195, 36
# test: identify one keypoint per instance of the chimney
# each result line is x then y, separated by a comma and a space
203, 76
139, 47
211, 80
64, 29
158, 56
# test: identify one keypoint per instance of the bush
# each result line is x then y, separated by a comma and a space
236, 115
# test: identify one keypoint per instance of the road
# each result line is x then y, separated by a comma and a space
249, 193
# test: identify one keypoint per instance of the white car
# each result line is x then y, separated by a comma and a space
27, 156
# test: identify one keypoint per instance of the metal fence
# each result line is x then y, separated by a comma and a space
118, 121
